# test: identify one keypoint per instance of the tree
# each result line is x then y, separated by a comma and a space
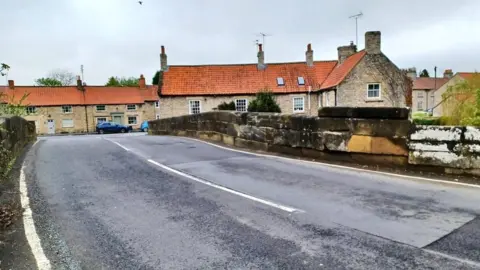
4, 68
227, 106
461, 102
264, 102
58, 77
424, 73
122, 81
48, 82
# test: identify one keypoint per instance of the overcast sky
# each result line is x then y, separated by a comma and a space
123, 38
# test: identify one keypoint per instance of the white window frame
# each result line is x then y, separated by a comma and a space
130, 110
68, 126
320, 100
379, 91
420, 94
300, 78
280, 81
190, 102
101, 118
246, 104
303, 104
104, 108
31, 110
157, 116
128, 119
157, 104
66, 111
327, 101
420, 108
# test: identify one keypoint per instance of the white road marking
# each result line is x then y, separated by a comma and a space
266, 202
340, 166
125, 148
32, 237
465, 261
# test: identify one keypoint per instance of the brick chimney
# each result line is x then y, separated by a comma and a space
309, 55
448, 73
11, 84
373, 42
79, 83
163, 59
261, 58
141, 82
346, 51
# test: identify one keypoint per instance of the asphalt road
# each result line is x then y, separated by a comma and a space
156, 202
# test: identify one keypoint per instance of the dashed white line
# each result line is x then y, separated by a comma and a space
266, 202
32, 237
125, 148
340, 166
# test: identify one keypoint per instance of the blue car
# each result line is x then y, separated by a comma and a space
144, 126
109, 127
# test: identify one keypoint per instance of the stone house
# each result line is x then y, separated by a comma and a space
442, 107
365, 78
78, 109
425, 96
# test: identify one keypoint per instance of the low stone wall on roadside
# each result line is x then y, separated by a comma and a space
361, 135
15, 134
456, 149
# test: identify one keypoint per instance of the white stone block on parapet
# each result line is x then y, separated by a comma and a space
472, 134
444, 159
436, 133
426, 146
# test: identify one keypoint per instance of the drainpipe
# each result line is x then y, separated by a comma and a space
309, 90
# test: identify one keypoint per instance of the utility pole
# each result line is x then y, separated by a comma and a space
356, 17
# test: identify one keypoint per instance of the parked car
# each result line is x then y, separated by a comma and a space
144, 126
109, 127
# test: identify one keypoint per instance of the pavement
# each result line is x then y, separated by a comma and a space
131, 201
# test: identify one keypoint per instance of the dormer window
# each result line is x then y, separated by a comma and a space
280, 81
301, 81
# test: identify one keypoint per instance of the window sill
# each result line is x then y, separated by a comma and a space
374, 100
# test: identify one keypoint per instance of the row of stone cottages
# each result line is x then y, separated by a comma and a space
357, 78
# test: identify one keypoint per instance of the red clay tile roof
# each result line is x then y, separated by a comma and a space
341, 71
467, 75
70, 95
423, 83
243, 78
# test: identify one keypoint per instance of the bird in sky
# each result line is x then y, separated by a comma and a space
140, 2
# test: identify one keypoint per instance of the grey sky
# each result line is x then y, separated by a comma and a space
123, 38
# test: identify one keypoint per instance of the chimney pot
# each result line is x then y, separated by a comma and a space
11, 84
309, 55
79, 83
412, 73
373, 42
260, 47
163, 60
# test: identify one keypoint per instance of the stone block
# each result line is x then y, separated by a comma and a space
229, 140
332, 124
364, 112
232, 129
280, 137
382, 160
472, 134
251, 133
436, 133
428, 146
380, 127
209, 135
285, 150
317, 141
335, 141
444, 159
360, 144
251, 144
389, 146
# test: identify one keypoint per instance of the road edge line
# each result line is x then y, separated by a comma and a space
29, 225
338, 166
241, 194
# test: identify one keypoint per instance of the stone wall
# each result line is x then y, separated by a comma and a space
456, 149
350, 134
15, 134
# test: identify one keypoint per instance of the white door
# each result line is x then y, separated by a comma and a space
51, 126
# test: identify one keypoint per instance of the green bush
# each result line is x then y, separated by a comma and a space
227, 106
430, 121
264, 102
419, 114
